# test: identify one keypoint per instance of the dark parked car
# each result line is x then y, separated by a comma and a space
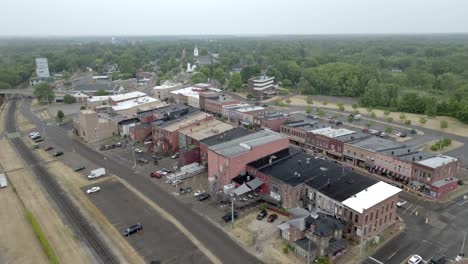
142, 161
39, 140
203, 197
272, 218
133, 229
262, 215
49, 148
79, 168
166, 170
228, 217
102, 147
155, 162
438, 259
58, 153
339, 123
156, 157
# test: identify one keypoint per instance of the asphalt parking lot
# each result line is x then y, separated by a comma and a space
159, 240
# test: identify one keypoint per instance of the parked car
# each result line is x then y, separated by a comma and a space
383, 134
118, 144
156, 175
401, 134
188, 189
39, 140
198, 193
262, 215
250, 196
182, 190
79, 168
271, 218
102, 147
35, 136
415, 259
113, 146
412, 131
142, 161
176, 182
365, 130
378, 133
438, 259
93, 189
166, 171
373, 131
133, 229
203, 197
33, 133
175, 156
137, 150
49, 148
155, 162
107, 147
58, 153
228, 217
339, 123
156, 157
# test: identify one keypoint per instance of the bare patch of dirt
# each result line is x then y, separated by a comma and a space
67, 248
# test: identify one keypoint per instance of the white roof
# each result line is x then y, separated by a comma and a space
189, 92
167, 85
132, 103
437, 161
333, 132
371, 196
215, 90
99, 98
126, 96
250, 108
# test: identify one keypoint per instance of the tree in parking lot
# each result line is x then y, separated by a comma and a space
422, 120
350, 119
372, 115
60, 115
389, 119
402, 116
308, 109
68, 99
386, 112
341, 107
369, 124
388, 129
354, 106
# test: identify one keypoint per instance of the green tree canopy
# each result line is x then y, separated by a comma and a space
44, 92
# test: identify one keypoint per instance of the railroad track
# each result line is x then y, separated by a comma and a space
81, 226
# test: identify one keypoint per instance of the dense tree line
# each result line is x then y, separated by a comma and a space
418, 74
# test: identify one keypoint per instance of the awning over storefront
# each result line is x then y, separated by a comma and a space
242, 189
255, 183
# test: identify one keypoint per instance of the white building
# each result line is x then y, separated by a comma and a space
42, 68
163, 91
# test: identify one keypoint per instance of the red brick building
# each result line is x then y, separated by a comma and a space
272, 121
227, 160
166, 133
214, 104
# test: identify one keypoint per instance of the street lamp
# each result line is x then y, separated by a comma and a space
134, 159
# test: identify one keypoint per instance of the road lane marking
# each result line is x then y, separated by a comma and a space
376, 260
391, 256
415, 208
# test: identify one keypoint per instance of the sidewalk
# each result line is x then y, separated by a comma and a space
355, 254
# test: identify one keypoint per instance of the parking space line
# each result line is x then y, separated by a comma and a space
407, 208
415, 208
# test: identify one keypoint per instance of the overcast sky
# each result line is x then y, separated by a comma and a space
202, 17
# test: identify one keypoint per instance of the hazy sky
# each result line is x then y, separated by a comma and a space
194, 17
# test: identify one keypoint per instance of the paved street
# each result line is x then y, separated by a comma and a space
214, 239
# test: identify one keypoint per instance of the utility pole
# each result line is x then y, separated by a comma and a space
232, 211
463, 246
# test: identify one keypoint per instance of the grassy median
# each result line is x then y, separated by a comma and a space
40, 235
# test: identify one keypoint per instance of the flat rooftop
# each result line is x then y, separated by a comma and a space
333, 132
184, 121
437, 161
371, 196
167, 85
135, 103
376, 144
250, 109
228, 135
189, 92
327, 177
127, 96
246, 143
206, 129
407, 154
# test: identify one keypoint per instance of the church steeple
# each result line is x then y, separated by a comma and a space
195, 51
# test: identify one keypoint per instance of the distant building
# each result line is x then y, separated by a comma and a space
163, 91
261, 86
271, 120
42, 68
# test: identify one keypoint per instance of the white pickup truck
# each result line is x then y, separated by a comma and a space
97, 173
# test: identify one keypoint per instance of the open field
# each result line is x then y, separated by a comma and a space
454, 126
16, 232
67, 248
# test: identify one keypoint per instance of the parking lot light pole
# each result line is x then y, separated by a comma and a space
232, 210
134, 159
